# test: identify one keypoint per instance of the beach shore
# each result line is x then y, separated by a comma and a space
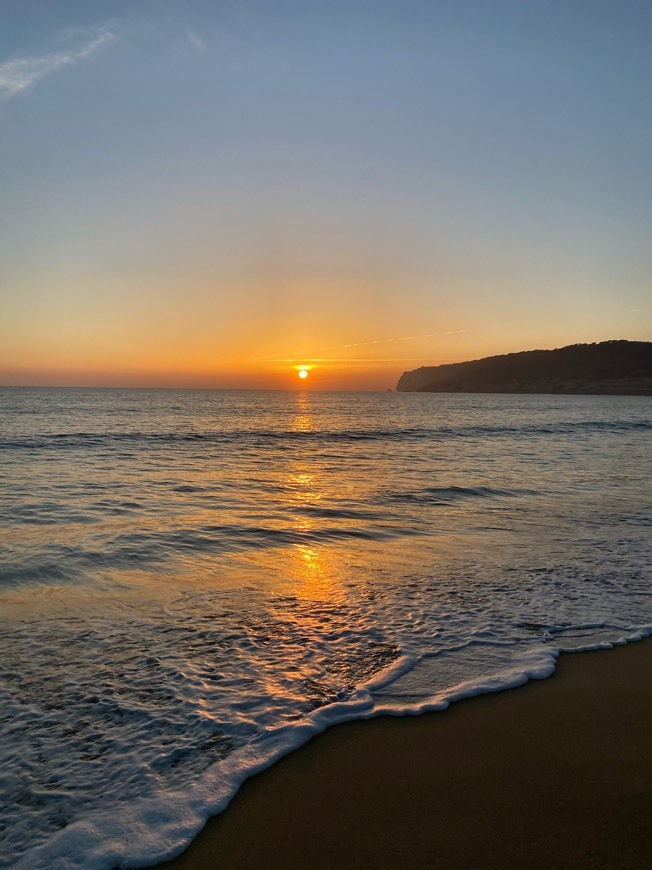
555, 774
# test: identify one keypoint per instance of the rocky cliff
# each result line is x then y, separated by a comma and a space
607, 368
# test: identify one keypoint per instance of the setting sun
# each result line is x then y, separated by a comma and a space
303, 370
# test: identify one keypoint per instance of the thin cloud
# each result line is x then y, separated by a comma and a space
294, 355
331, 360
378, 341
21, 73
195, 41
281, 358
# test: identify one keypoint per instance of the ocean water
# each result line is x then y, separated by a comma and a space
192, 583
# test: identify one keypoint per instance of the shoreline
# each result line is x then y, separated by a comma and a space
554, 773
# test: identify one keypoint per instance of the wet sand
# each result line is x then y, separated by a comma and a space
555, 774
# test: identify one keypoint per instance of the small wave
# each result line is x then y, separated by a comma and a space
43, 514
234, 538
338, 513
443, 495
141, 550
111, 439
47, 573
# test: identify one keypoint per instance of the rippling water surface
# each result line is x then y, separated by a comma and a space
192, 583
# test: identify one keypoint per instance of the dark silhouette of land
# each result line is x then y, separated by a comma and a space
606, 368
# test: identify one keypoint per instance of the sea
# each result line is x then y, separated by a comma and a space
193, 583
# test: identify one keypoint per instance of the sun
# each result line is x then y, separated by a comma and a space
303, 371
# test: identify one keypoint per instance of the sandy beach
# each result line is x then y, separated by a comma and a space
557, 773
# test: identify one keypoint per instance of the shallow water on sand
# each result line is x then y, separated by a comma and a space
193, 582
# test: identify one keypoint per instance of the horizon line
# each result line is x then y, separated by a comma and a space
193, 389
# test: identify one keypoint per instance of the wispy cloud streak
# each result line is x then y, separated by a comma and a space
295, 355
349, 361
196, 42
21, 73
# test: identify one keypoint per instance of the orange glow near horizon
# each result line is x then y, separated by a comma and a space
275, 360
251, 336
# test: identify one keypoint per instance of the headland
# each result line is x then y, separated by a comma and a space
605, 368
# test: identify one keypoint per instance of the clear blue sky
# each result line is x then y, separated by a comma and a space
209, 193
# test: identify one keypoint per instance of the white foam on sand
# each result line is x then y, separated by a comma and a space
160, 826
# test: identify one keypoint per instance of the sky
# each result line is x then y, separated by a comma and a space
209, 194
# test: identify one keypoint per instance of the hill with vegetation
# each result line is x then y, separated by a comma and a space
605, 368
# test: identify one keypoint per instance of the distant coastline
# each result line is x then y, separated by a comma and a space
606, 368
